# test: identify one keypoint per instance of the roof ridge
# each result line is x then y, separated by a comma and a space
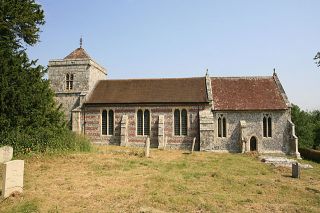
244, 77
136, 79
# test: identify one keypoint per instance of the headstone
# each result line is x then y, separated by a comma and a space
6, 154
295, 170
147, 148
193, 143
12, 177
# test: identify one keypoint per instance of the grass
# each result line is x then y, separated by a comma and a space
116, 179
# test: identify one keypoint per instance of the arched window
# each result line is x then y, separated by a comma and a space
139, 122
267, 125
264, 126
177, 122
104, 123
222, 126
180, 122
107, 122
111, 122
184, 122
146, 126
219, 128
69, 81
143, 122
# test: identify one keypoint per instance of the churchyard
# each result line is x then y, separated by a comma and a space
117, 179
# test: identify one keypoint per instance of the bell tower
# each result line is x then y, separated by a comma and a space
72, 79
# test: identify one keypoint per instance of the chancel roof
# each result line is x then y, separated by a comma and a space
247, 93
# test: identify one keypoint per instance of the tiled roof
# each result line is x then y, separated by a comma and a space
169, 90
246, 93
78, 53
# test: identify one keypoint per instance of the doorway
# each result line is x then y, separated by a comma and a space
253, 144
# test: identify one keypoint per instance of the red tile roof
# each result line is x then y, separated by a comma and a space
78, 53
246, 93
169, 90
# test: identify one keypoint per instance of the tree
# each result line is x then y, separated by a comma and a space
29, 119
317, 59
19, 23
307, 127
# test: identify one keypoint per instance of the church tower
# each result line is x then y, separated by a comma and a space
72, 79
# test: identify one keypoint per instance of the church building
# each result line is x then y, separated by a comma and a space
221, 114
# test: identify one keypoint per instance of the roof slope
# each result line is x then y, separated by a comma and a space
169, 90
246, 93
78, 53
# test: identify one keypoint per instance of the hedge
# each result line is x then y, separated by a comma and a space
310, 154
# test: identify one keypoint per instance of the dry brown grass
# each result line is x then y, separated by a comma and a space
115, 179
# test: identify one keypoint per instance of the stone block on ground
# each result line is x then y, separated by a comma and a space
147, 148
295, 170
12, 177
6, 154
282, 161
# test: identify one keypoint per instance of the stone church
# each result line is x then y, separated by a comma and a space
222, 114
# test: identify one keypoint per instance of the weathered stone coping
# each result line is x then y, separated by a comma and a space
282, 161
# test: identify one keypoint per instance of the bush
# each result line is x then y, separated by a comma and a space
44, 140
307, 127
310, 154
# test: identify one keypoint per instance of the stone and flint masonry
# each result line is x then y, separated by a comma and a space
223, 114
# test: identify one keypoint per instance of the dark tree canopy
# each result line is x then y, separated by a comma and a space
29, 119
317, 59
307, 127
20, 22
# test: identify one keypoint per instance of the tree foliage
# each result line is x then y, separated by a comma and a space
29, 119
317, 59
307, 127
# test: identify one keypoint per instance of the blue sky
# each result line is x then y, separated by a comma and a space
183, 38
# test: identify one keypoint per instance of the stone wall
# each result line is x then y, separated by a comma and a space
93, 126
279, 142
96, 73
68, 102
86, 73
57, 70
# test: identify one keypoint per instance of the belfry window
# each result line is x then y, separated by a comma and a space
143, 122
180, 122
107, 122
69, 81
267, 125
222, 126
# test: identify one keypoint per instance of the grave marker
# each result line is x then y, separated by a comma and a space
6, 154
12, 177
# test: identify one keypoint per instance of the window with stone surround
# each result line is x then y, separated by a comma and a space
222, 126
69, 81
107, 122
267, 126
180, 122
143, 122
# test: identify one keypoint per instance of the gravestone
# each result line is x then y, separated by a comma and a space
193, 143
6, 154
147, 148
295, 170
12, 177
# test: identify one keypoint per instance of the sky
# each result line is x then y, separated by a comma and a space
183, 38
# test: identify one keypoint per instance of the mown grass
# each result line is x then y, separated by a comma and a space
116, 179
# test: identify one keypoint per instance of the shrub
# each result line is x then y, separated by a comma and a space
44, 140
310, 154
